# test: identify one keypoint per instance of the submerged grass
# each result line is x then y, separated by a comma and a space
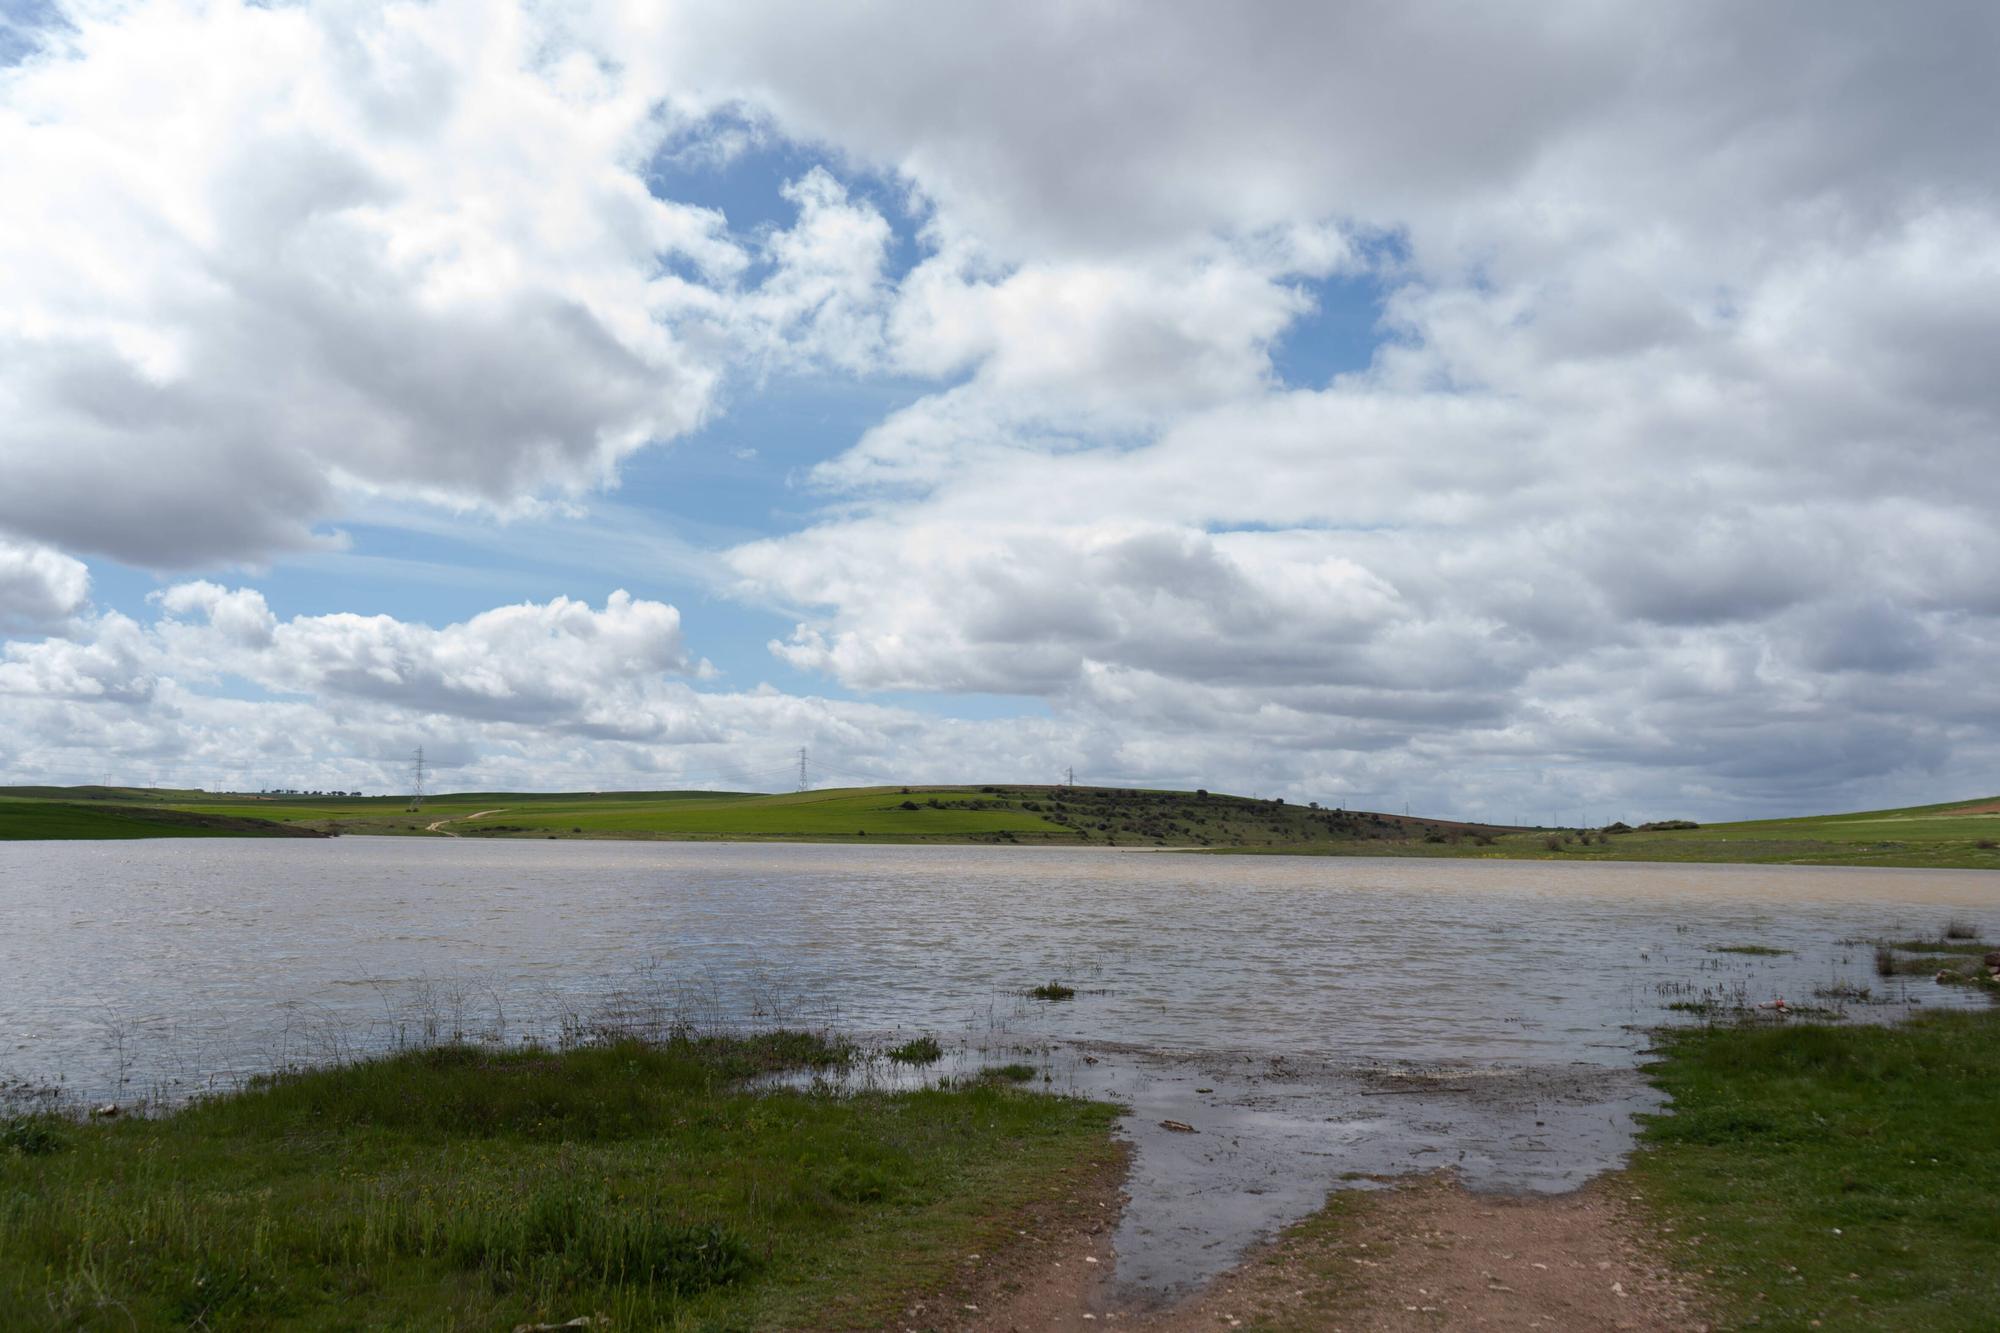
458, 1188
1837, 1178
917, 1051
1964, 946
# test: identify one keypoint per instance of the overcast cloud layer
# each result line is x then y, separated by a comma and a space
1669, 487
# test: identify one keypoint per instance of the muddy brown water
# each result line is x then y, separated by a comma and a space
1315, 1021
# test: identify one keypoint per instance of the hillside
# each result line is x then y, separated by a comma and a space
1004, 815
24, 820
1963, 834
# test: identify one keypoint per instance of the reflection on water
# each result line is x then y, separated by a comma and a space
1314, 997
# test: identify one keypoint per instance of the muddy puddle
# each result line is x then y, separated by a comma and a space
1313, 1023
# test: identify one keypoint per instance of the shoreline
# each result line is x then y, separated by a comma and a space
1671, 1240
1953, 835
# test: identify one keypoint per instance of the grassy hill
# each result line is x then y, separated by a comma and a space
1963, 834
1038, 816
24, 820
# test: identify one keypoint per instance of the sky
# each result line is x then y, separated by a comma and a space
1548, 414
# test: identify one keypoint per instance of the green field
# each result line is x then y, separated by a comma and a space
1953, 835
647, 1185
1835, 1178
1037, 816
1960, 834
22, 820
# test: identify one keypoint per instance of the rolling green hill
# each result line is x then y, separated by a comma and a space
1094, 816
1963, 834
23, 820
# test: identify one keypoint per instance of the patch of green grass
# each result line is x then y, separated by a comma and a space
1754, 950
918, 1051
1838, 1175
22, 821
463, 1189
1014, 1073
1053, 990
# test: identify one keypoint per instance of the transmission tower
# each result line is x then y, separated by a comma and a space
1069, 778
417, 783
802, 768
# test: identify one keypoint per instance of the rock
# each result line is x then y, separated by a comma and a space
108, 1109
1993, 958
1178, 1127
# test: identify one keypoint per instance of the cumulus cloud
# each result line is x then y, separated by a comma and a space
219, 691
262, 258
1670, 479
39, 588
1673, 458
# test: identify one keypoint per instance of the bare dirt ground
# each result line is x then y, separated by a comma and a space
1419, 1255
1977, 808
439, 826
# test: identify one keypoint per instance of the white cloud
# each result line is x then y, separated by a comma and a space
1678, 463
219, 691
261, 260
39, 588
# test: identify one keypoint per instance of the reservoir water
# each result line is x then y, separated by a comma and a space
1316, 1021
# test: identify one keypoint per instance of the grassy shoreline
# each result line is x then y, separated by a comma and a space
463, 1188
1834, 1178
1958, 835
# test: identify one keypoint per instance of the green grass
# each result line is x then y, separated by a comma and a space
1940, 946
1839, 1175
1751, 950
1952, 835
463, 1189
1005, 815
38, 820
1945, 836
918, 1051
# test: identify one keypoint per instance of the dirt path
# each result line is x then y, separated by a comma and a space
1422, 1255
439, 827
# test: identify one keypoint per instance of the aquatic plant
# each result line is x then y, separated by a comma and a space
922, 1050
1054, 990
